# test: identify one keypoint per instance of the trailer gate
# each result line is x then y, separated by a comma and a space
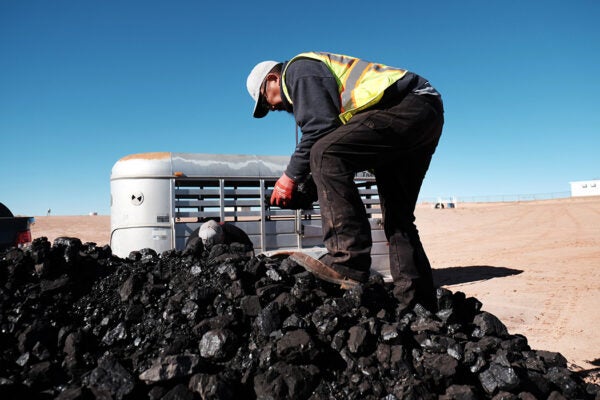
159, 199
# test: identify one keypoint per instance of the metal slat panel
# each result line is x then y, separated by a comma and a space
370, 201
380, 248
271, 227
204, 214
365, 192
376, 223
285, 240
378, 235
215, 192
232, 198
215, 203
315, 241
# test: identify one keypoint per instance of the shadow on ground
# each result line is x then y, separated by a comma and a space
592, 375
471, 273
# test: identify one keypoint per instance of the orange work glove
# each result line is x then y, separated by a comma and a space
282, 192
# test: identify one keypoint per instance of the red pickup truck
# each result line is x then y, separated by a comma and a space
14, 231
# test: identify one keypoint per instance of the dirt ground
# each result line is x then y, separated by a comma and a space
535, 265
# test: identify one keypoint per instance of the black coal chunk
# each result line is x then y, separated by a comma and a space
217, 322
111, 378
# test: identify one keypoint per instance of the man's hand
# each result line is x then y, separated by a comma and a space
282, 192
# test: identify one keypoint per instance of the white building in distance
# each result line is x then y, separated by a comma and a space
585, 188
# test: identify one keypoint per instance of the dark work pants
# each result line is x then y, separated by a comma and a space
397, 143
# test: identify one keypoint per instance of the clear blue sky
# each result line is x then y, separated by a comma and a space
86, 82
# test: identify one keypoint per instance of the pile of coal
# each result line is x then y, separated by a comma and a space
77, 322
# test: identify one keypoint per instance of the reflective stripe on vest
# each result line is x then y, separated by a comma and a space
361, 83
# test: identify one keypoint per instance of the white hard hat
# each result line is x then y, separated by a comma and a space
255, 81
211, 233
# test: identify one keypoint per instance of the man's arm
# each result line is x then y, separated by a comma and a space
316, 104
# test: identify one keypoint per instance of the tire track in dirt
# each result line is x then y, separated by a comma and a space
554, 244
564, 296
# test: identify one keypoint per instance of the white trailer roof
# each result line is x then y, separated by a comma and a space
198, 165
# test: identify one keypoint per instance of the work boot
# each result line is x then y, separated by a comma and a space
409, 293
322, 271
404, 292
356, 273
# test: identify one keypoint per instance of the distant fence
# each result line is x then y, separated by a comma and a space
496, 198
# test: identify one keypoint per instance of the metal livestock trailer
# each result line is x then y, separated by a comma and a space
159, 199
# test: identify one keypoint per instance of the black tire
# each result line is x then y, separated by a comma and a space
5, 212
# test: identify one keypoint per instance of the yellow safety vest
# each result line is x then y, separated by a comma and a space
361, 83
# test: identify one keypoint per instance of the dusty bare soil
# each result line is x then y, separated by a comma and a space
535, 265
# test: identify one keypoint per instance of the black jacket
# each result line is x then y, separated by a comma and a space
316, 106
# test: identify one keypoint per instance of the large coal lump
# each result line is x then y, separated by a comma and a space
216, 322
